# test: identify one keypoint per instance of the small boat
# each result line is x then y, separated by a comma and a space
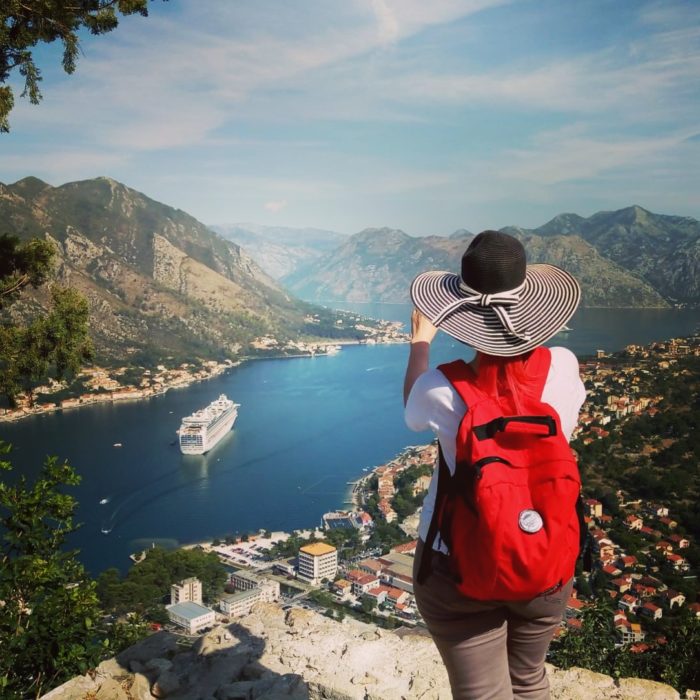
104, 501
117, 444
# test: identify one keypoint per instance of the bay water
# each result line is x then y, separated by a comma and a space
306, 427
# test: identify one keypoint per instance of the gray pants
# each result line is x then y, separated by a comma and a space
492, 650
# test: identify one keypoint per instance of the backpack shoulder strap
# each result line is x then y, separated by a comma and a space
538, 365
463, 380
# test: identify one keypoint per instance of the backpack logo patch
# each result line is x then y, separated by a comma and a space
530, 521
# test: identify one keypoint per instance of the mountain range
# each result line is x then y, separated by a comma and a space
159, 283
625, 258
162, 284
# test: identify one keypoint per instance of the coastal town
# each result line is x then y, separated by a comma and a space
94, 385
645, 562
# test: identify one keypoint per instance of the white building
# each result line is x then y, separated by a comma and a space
317, 561
244, 581
192, 616
239, 603
189, 590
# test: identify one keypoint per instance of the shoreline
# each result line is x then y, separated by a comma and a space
15, 415
107, 397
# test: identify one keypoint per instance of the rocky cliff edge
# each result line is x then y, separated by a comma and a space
297, 654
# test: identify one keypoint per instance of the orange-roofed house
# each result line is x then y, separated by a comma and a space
634, 522
621, 584
611, 570
673, 598
574, 607
396, 597
377, 593
629, 602
370, 566
406, 548
365, 583
342, 588
595, 507
651, 610
678, 562
679, 541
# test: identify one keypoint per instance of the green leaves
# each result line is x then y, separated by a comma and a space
595, 647
22, 264
147, 584
25, 24
59, 341
47, 632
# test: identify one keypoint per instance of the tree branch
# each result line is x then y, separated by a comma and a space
21, 282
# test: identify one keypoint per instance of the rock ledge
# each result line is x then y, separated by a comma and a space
301, 655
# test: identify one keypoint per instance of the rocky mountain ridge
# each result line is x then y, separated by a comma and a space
663, 250
159, 282
379, 264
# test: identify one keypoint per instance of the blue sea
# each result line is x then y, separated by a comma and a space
306, 427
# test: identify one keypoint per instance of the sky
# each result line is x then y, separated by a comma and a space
347, 114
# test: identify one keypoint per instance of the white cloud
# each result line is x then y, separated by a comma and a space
276, 206
62, 164
388, 25
572, 154
170, 82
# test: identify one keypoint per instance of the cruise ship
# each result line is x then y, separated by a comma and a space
204, 428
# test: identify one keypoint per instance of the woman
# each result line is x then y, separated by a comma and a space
505, 310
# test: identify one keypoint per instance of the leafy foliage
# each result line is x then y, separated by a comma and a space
22, 264
594, 646
652, 457
58, 341
346, 540
404, 502
26, 23
146, 585
50, 611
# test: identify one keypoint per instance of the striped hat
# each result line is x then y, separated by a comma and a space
498, 304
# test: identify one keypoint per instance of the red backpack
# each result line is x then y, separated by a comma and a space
508, 515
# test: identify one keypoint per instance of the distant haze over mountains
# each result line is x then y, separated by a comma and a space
625, 258
280, 250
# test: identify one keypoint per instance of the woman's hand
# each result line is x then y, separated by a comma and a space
422, 330
422, 334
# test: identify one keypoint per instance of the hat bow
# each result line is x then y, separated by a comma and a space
498, 301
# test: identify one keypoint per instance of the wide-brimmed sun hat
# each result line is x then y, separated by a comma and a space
498, 304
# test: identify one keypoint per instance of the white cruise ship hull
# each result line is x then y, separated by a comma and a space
200, 432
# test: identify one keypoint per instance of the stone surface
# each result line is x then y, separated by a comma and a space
111, 689
159, 645
158, 665
140, 688
112, 669
579, 684
75, 689
242, 690
168, 683
300, 655
638, 689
